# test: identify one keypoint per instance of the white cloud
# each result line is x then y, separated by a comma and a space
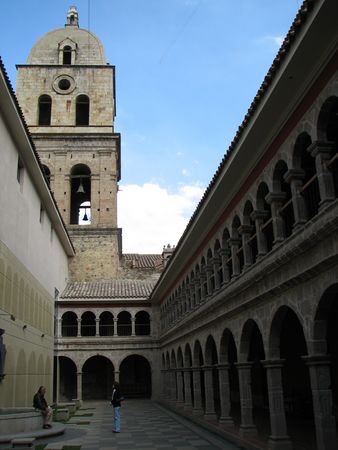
276, 40
151, 216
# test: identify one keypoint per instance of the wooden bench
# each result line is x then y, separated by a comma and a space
23, 443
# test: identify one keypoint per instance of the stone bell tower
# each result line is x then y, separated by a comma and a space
67, 94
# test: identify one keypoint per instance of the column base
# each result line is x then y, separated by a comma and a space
179, 405
247, 431
210, 417
279, 443
187, 408
226, 421
197, 412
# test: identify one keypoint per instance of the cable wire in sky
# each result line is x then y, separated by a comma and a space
179, 32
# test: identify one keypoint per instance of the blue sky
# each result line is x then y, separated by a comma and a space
186, 73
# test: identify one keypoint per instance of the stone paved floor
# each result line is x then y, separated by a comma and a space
144, 426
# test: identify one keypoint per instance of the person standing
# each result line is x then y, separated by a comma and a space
116, 402
40, 404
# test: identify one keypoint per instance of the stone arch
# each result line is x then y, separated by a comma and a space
325, 337
237, 247
106, 324
9, 392
228, 356
88, 324
212, 387
287, 342
69, 324
305, 163
67, 370
198, 363
97, 378
8, 289
264, 216
21, 379
124, 323
80, 187
327, 124
136, 377
32, 375
283, 190
249, 234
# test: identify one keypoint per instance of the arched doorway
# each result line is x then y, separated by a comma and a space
67, 382
135, 377
97, 378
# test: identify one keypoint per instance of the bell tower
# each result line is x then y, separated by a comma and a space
67, 94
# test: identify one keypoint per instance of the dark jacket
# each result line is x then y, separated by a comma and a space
116, 398
39, 402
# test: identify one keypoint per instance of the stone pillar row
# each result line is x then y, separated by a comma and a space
183, 386
97, 327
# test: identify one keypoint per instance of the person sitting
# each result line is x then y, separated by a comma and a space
40, 404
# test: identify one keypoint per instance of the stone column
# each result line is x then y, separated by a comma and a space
276, 199
97, 327
163, 384
79, 327
187, 390
322, 151
202, 281
197, 291
57, 393
216, 268
59, 327
79, 385
198, 409
173, 386
234, 245
326, 433
224, 393
295, 178
179, 378
247, 427
133, 326
209, 413
246, 231
259, 217
209, 273
117, 376
279, 439
224, 254
115, 326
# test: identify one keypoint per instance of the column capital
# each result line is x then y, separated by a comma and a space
273, 363
245, 229
259, 214
223, 366
294, 174
244, 365
320, 147
273, 197
317, 360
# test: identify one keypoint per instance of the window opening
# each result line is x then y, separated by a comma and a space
82, 110
67, 55
45, 110
80, 211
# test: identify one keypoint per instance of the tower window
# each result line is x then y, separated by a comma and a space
67, 55
82, 110
45, 110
